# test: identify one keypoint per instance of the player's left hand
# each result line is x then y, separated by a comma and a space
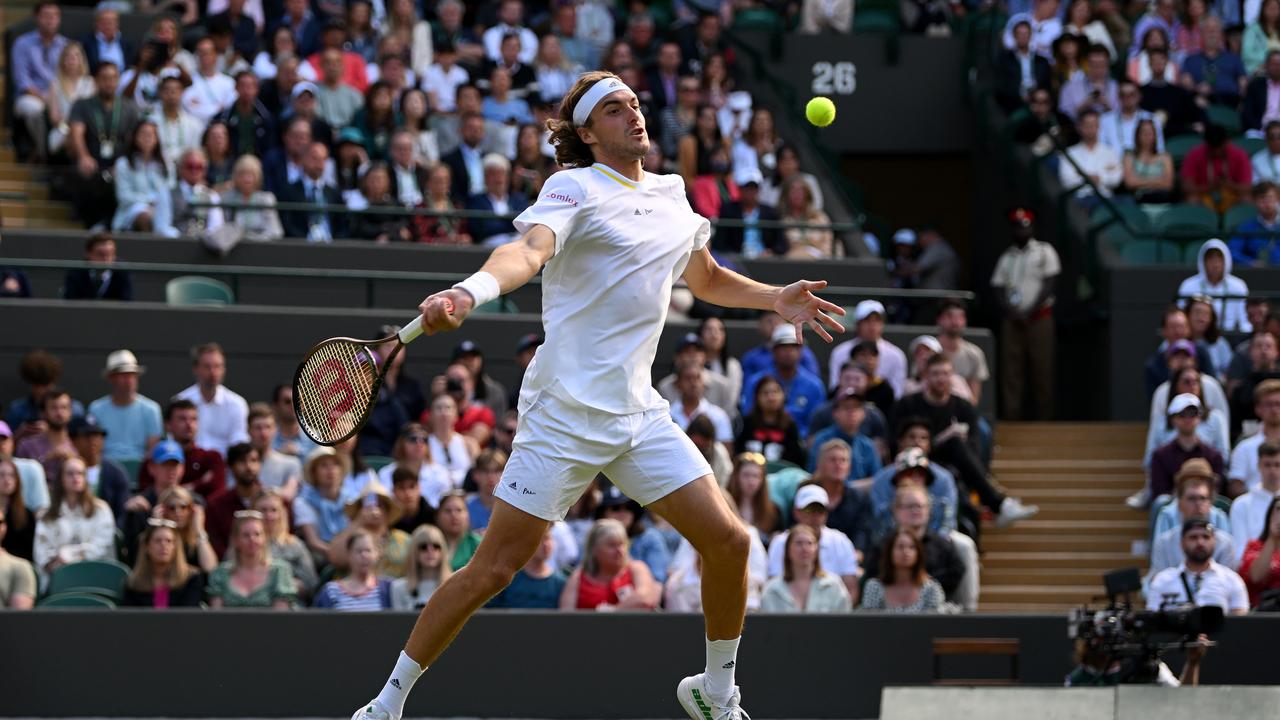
799, 306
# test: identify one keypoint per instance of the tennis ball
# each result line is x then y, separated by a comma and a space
820, 111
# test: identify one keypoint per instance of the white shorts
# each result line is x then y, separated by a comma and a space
560, 446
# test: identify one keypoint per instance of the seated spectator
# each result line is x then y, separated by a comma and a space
1091, 90
402, 21
14, 283
1168, 459
251, 578
1176, 103
50, 445
804, 233
216, 174
106, 478
283, 544
749, 489
1260, 38
99, 133
719, 361
645, 542
377, 119
359, 474
33, 56
252, 127
279, 471
902, 584
1148, 171
191, 198
142, 184
848, 507
691, 401
1260, 566
912, 511
161, 577
1244, 474
443, 228
77, 526
510, 17
486, 474
1264, 365
788, 168
556, 72
609, 578
487, 391
716, 389
1216, 174
179, 130
1211, 424
869, 319
163, 469
912, 467
1206, 333
454, 521
375, 195
98, 283
502, 105
244, 463
322, 224
452, 450
803, 391
182, 507
1044, 123
857, 379
703, 436
362, 588
748, 238
682, 592
1100, 163
354, 68
412, 452
968, 361
1266, 164
920, 349
290, 439
223, 413
407, 490
767, 427
803, 586
319, 512
205, 471
848, 413
713, 189
211, 90
538, 585
1194, 499
18, 530
336, 101
1020, 70
498, 199
1174, 326
1215, 74
1139, 67
1215, 280
1211, 583
835, 549
425, 570
17, 576
1168, 514
71, 82
260, 222
40, 370
1257, 243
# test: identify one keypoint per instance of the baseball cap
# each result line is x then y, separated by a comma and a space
466, 347
167, 450
690, 340
1180, 346
847, 393
1182, 402
928, 341
84, 426
1196, 523
910, 459
612, 497
905, 236
866, 308
304, 86
748, 176
5, 430
811, 495
122, 361
528, 342
784, 335
351, 135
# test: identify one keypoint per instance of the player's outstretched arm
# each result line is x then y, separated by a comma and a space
510, 266
796, 303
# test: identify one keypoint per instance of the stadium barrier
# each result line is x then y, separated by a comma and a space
1129, 702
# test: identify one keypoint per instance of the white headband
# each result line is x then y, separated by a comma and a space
592, 97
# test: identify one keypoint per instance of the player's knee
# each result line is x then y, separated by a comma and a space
493, 577
732, 546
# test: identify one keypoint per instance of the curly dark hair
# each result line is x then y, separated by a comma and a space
571, 150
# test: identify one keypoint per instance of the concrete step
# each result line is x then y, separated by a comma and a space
1043, 576
1018, 608
1065, 595
1100, 560
1118, 452
1026, 542
1069, 481
1043, 494
1065, 467
35, 209
32, 190
1072, 527
1087, 511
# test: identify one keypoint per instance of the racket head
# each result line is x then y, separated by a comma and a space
336, 387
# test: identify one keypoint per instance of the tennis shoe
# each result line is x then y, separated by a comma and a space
374, 711
693, 697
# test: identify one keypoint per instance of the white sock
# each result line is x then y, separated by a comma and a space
399, 684
722, 660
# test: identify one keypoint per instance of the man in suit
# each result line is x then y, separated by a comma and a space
303, 24
664, 79
750, 239
253, 131
233, 23
466, 160
496, 198
1257, 95
1020, 70
283, 163
98, 284
321, 225
408, 179
106, 42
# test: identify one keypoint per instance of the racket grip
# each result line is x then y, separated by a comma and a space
411, 330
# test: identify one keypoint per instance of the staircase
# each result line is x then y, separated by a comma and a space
1079, 474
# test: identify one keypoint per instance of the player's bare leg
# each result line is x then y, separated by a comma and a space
510, 540
699, 512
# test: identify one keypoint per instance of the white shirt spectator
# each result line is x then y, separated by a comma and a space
1166, 551
278, 468
1101, 160
1215, 399
444, 84
35, 489
252, 10
835, 552
177, 136
1266, 167
1244, 464
566, 552
493, 42
208, 96
1116, 130
1043, 33
757, 566
1219, 585
73, 537
893, 363
1248, 515
453, 457
433, 481
223, 422
719, 418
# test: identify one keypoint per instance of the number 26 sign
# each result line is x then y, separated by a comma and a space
838, 78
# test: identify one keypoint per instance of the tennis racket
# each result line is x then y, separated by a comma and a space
336, 385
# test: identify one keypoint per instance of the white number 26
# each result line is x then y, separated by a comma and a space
839, 78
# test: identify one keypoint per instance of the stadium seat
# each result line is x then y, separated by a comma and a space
377, 462
1191, 253
1249, 144
1237, 215
1188, 221
1133, 216
99, 577
1151, 252
77, 600
131, 468
1116, 236
1179, 146
1227, 117
757, 19
878, 16
197, 290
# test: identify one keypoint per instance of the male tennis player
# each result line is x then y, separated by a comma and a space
613, 239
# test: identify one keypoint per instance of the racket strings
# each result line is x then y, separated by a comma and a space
335, 389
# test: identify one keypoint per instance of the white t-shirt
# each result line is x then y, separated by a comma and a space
719, 418
1248, 515
444, 83
1244, 461
223, 422
1219, 585
453, 457
208, 96
619, 247
835, 552
1023, 271
433, 481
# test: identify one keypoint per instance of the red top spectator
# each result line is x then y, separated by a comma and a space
245, 465
474, 420
1216, 173
205, 473
354, 67
1261, 579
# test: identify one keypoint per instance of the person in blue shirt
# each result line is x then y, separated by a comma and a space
1217, 74
805, 391
760, 358
647, 544
848, 410
131, 420
40, 370
912, 466
1258, 241
537, 586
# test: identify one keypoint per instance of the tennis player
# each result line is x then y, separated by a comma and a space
612, 239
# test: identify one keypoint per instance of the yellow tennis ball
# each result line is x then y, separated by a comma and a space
820, 111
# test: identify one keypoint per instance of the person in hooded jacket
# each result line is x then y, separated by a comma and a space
1215, 280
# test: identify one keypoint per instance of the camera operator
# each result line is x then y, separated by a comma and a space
1097, 667
1199, 580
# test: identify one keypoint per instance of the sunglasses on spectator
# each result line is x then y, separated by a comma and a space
175, 507
193, 166
161, 522
1188, 413
429, 546
416, 438
248, 515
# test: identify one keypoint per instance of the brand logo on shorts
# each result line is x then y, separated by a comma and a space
513, 485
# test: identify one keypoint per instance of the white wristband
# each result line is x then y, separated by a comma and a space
482, 287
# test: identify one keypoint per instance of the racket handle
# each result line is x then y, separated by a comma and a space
411, 330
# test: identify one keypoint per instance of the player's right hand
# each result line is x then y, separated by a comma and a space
445, 310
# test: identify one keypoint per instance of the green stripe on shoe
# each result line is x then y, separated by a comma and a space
697, 699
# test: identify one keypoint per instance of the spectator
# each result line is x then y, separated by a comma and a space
253, 130
806, 232
510, 18
1081, 21
336, 101
449, 29
354, 68
442, 79
106, 478
1244, 474
1185, 413
848, 508
283, 544
443, 228
695, 149
1139, 67
1117, 128
644, 541
609, 578
749, 488
1260, 567
377, 119
302, 24
1249, 511
760, 358
162, 469
1148, 171
967, 359
1021, 69
251, 578
40, 370
1209, 582
374, 512
848, 412
1211, 423
1181, 113
425, 570
407, 490
498, 199
260, 221
1260, 37
211, 91
1216, 75
768, 427
711, 332
1068, 62
466, 160
70, 83
1172, 354
486, 474
279, 471
1205, 332
402, 21
1264, 364
920, 349
408, 179
1091, 90
375, 195
33, 56
474, 419
903, 585
803, 586
424, 151
1044, 22
703, 436
1266, 169
455, 522
1194, 499
245, 464
912, 467
912, 513
142, 184
290, 439
1024, 279
803, 391
77, 526
505, 103
717, 389
1042, 124
817, 16
1257, 243
682, 591
194, 202
1216, 174
98, 283
1168, 514
454, 450
743, 234
223, 413
49, 445
868, 319
691, 402
835, 549
100, 127
318, 511
106, 41
1215, 280
216, 145
532, 166
17, 576
18, 536
323, 224
1093, 168
161, 578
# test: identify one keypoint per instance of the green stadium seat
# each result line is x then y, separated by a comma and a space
100, 577
1238, 215
756, 19
197, 290
77, 600
131, 468
377, 462
1188, 222
1151, 252
878, 16
1179, 146
499, 306
1132, 216
1116, 237
1191, 253
1227, 117
1250, 145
